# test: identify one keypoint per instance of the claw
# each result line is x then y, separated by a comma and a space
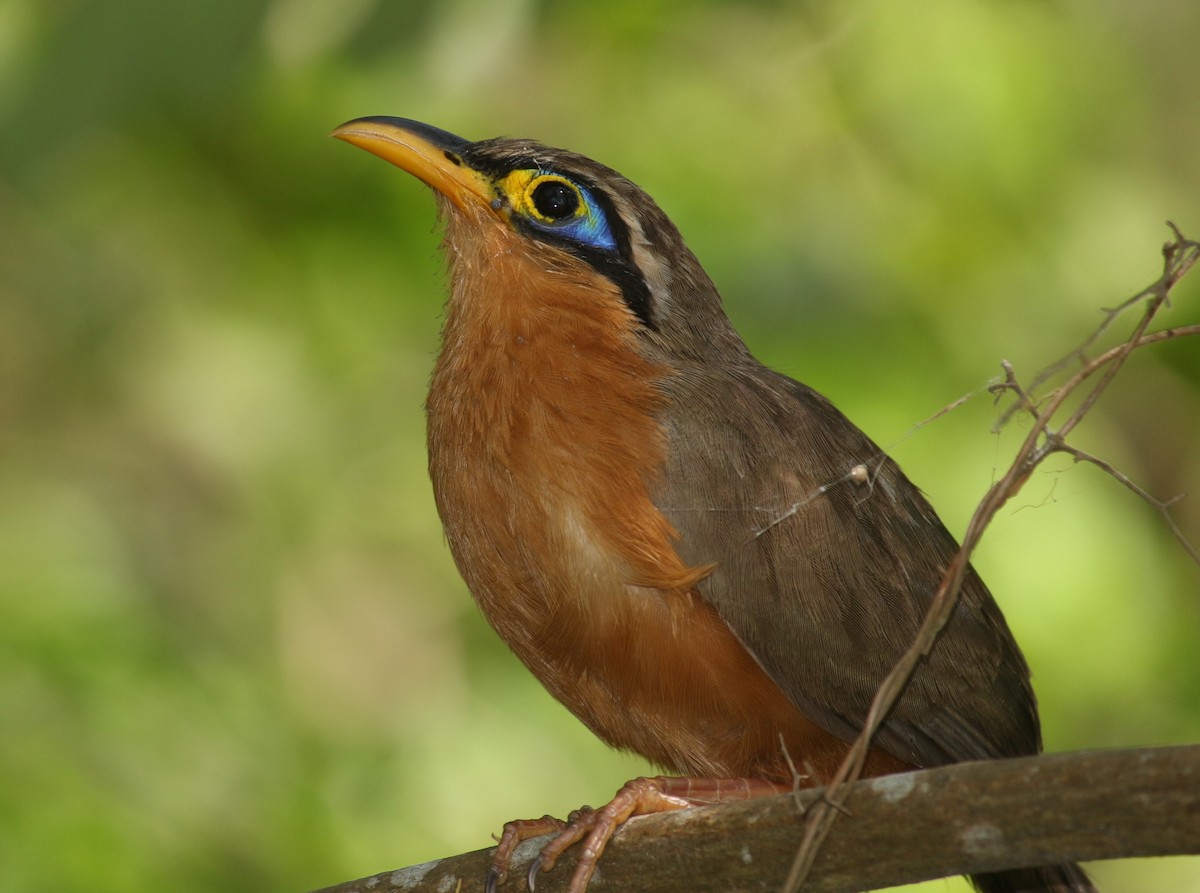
534, 867
494, 876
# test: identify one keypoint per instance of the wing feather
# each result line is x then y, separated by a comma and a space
826, 580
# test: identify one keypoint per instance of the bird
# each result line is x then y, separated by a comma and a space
703, 559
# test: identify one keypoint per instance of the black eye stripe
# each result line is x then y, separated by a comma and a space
622, 270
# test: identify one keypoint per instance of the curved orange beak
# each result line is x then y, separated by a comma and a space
428, 153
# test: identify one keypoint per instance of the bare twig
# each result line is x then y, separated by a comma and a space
1179, 256
1163, 507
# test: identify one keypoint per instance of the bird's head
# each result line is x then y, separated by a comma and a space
574, 215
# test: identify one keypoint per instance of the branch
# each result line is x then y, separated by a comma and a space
1179, 257
961, 819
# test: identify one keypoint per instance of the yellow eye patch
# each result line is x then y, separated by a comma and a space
559, 207
546, 198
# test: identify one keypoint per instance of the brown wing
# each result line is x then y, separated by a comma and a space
825, 580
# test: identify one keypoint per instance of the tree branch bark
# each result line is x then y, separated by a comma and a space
960, 819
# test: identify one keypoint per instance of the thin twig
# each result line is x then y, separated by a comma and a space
1163, 507
1178, 258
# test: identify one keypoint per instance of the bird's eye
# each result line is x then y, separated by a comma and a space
556, 208
555, 199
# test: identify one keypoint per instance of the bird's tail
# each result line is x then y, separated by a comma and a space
1069, 878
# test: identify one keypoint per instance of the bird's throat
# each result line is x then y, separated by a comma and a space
544, 419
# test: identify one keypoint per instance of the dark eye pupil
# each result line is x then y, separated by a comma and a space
555, 200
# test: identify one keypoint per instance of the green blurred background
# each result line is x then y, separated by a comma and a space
234, 653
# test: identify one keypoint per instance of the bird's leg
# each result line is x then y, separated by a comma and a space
595, 827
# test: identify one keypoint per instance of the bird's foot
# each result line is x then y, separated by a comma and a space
595, 827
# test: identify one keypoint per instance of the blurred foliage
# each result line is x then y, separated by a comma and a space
234, 653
